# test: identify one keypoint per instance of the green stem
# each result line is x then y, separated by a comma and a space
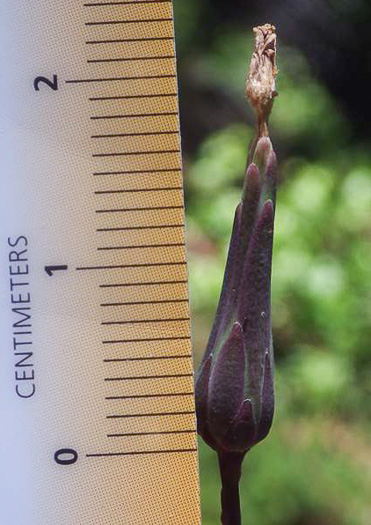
230, 471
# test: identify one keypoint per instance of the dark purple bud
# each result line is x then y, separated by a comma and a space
234, 386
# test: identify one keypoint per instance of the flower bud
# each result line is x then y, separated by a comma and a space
234, 386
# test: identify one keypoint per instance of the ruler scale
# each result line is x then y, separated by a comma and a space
96, 368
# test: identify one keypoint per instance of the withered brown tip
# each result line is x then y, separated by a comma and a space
261, 79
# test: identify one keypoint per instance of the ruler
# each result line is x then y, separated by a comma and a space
97, 407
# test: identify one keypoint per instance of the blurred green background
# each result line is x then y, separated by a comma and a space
315, 466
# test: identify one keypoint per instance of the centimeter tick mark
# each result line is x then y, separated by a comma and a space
142, 246
127, 3
140, 452
128, 59
135, 153
138, 115
151, 358
133, 303
136, 265
138, 190
139, 321
149, 283
164, 432
147, 208
126, 228
134, 378
151, 414
119, 97
145, 396
124, 40
134, 172
117, 79
143, 134
119, 22
147, 340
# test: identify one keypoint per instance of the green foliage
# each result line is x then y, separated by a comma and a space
304, 115
187, 16
296, 476
310, 469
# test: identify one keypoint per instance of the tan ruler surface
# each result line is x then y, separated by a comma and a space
96, 384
